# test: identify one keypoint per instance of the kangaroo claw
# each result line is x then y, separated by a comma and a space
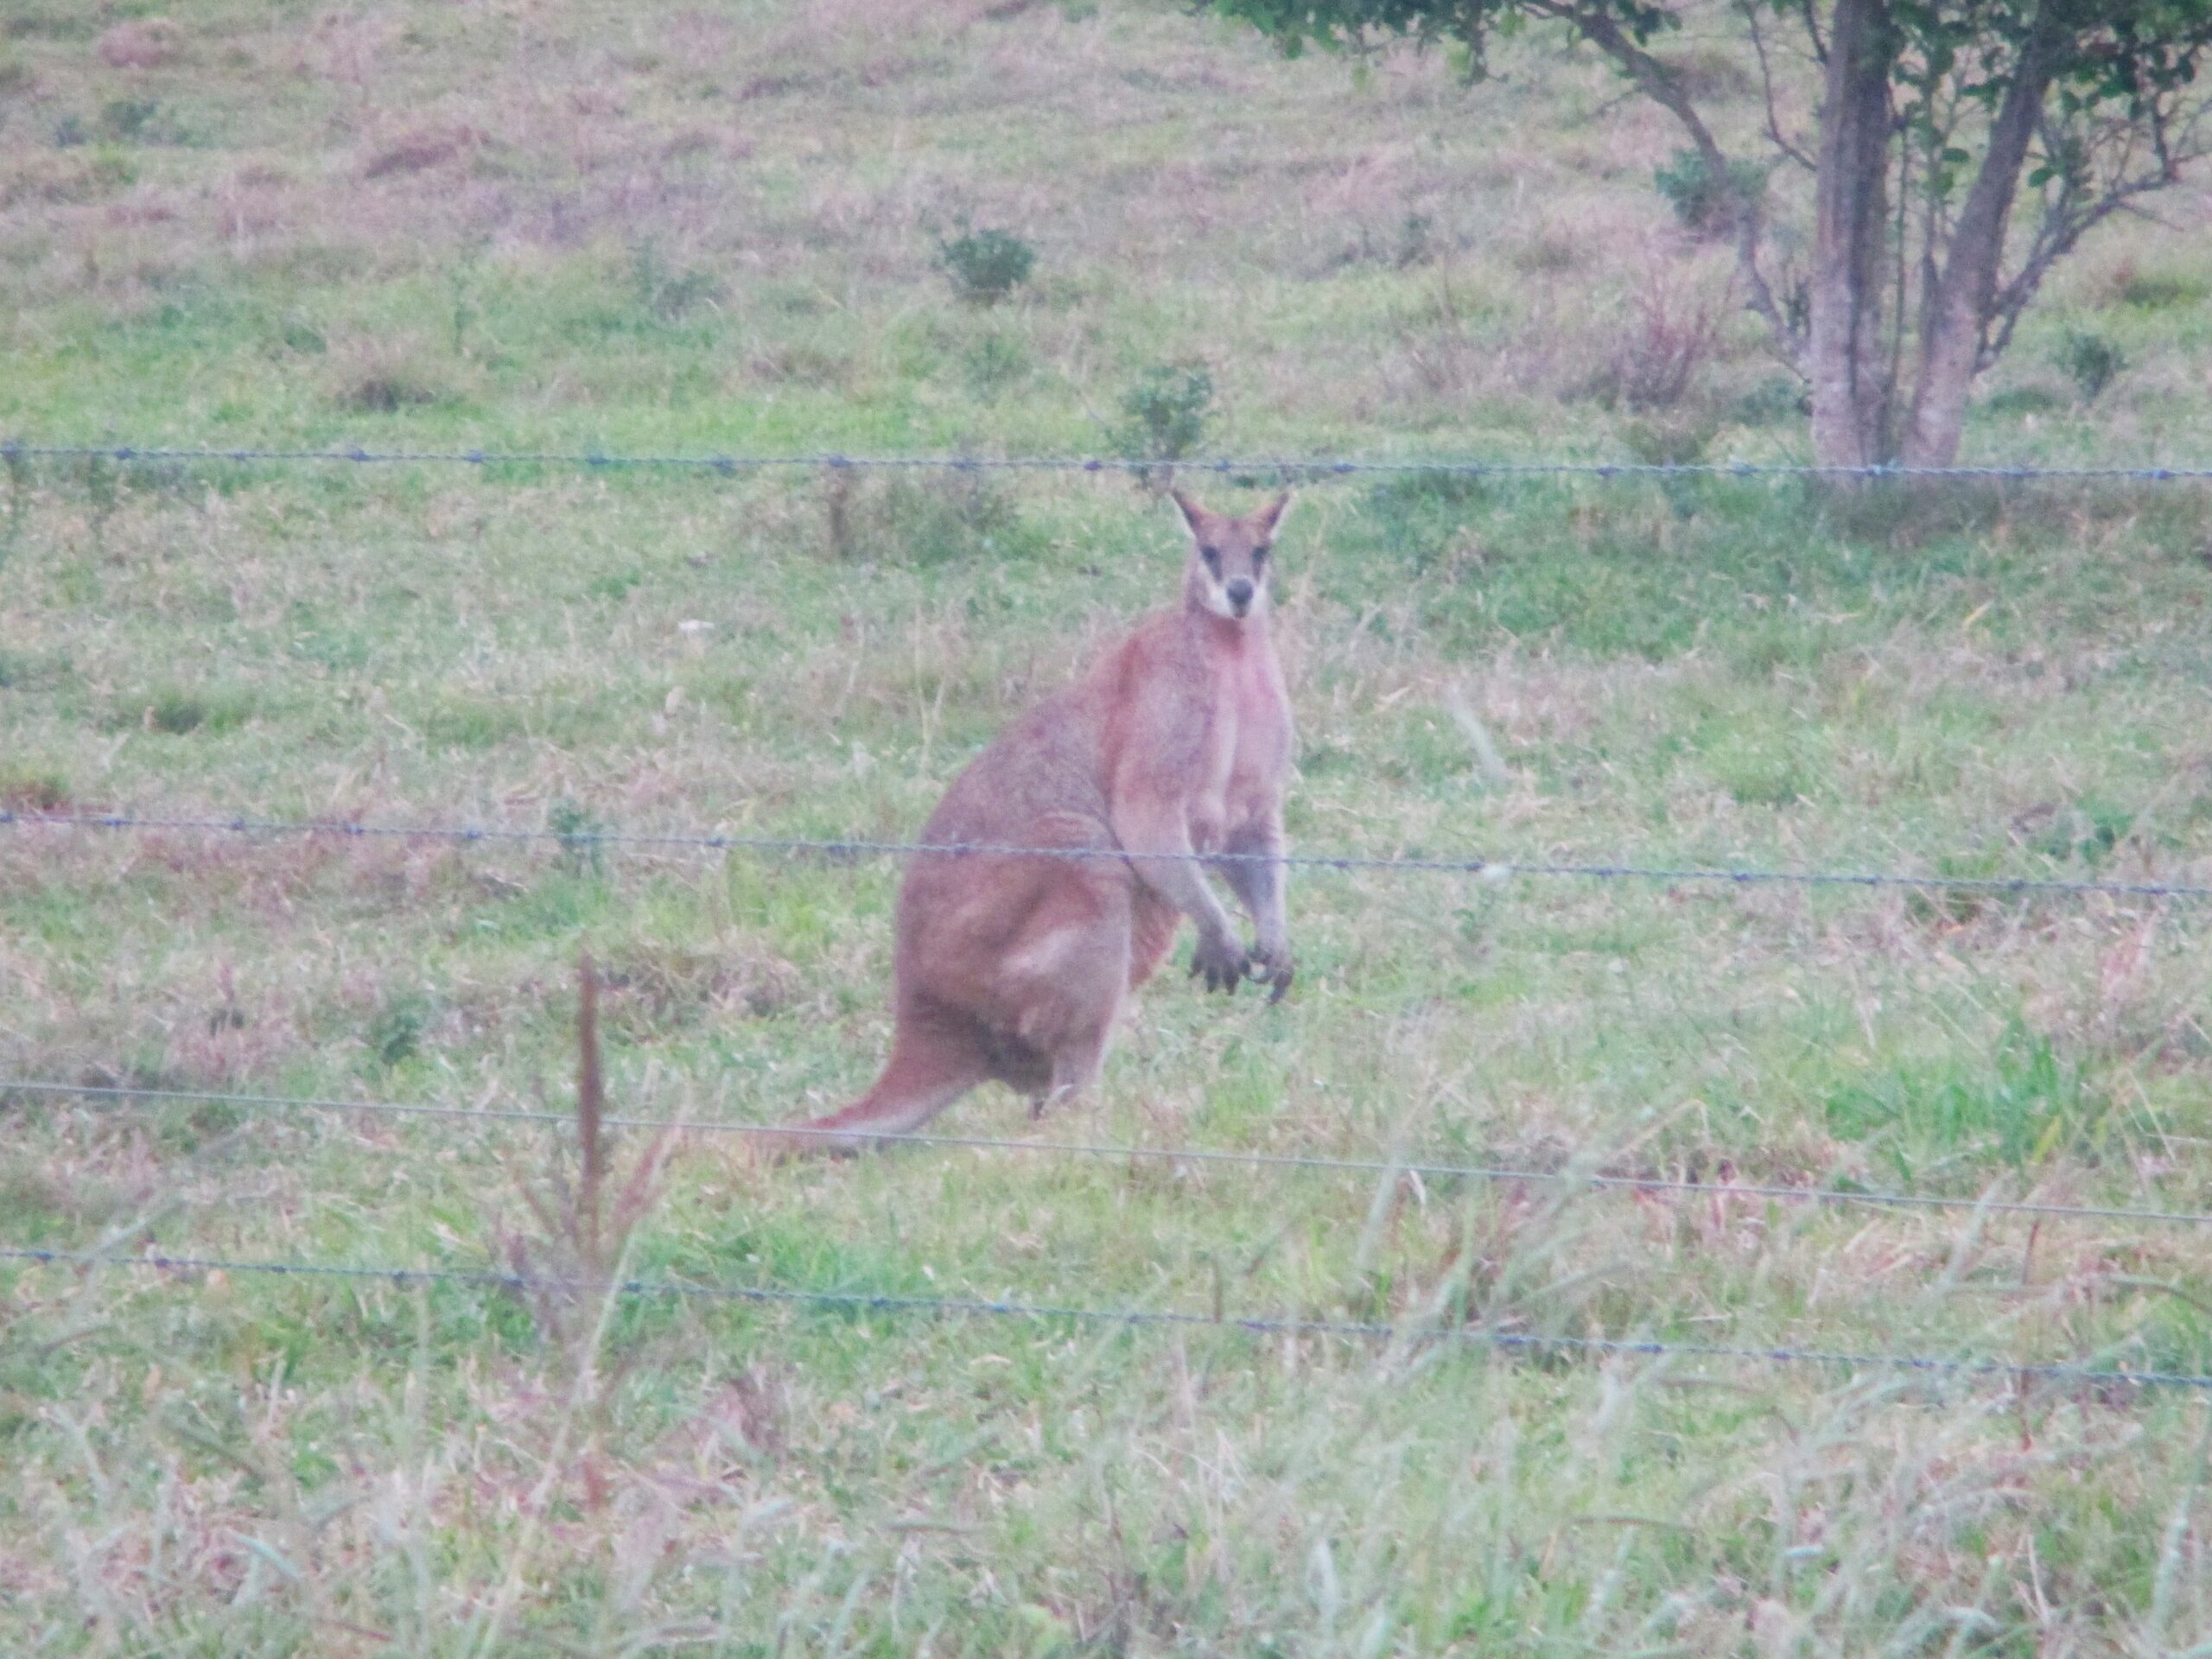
1223, 967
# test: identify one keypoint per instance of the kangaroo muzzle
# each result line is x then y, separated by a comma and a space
1239, 592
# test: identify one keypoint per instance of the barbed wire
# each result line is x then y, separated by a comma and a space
1261, 1324
1493, 870
1278, 466
1129, 1151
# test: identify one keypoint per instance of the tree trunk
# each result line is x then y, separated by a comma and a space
1843, 356
1950, 345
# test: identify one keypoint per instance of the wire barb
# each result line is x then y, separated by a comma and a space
1490, 869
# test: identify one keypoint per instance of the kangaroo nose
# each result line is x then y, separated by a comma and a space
1240, 593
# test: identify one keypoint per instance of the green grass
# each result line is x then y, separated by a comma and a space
699, 233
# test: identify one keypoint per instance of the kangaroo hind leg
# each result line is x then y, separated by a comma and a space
1069, 983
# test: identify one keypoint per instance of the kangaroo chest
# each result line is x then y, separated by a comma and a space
1248, 746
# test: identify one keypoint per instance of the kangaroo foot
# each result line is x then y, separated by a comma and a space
1273, 969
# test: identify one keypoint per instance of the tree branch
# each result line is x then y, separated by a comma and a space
2075, 212
1664, 86
1766, 88
1812, 31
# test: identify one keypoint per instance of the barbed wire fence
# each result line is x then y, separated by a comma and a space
1486, 868
1430, 1331
1723, 1188
1293, 467
15, 454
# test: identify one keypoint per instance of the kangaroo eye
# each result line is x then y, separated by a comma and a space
1212, 555
1259, 555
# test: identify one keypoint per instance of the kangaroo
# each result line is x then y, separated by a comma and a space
1172, 748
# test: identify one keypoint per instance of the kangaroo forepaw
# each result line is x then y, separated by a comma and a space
1222, 963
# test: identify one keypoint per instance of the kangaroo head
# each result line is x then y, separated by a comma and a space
1227, 569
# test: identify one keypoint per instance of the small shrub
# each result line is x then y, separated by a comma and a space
424, 148
615, 585
394, 1033
671, 295
1669, 442
381, 391
986, 266
380, 377
70, 132
1658, 358
961, 515
1422, 516
1165, 415
2159, 289
2086, 834
177, 711
1773, 401
994, 363
1703, 200
2023, 400
1416, 240
582, 852
32, 789
931, 520
2091, 361
141, 121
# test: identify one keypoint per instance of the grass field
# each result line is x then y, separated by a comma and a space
566, 225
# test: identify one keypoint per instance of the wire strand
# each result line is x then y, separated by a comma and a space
1127, 1152
1264, 1324
1491, 870
1278, 466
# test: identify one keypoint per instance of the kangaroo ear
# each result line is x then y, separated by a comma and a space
1269, 517
1194, 516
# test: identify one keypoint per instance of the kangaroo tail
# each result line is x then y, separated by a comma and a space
921, 1079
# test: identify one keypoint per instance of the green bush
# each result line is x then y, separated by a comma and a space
1774, 401
2157, 291
1165, 415
177, 710
581, 834
986, 266
1700, 196
2091, 361
395, 1033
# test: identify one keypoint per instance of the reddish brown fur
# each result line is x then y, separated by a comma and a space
1177, 742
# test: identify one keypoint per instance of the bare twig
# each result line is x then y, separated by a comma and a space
1766, 90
